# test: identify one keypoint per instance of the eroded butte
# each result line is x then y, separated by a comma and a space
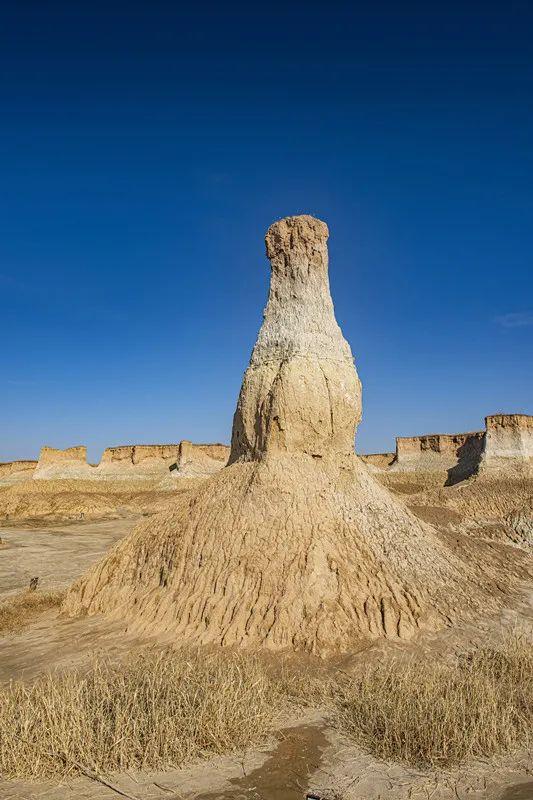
295, 543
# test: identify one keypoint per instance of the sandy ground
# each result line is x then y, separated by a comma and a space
307, 756
56, 555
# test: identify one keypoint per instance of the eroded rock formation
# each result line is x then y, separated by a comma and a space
378, 461
196, 460
438, 448
50, 455
505, 444
301, 393
134, 454
136, 461
508, 441
58, 464
294, 544
129, 462
456, 454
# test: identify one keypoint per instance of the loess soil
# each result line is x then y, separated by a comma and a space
327, 717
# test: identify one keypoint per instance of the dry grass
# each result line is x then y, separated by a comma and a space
160, 710
155, 711
20, 609
438, 713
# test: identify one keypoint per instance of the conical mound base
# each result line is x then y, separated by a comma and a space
294, 544
284, 553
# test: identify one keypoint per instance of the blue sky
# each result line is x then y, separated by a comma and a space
146, 147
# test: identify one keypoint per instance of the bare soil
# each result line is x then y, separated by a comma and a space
306, 755
55, 554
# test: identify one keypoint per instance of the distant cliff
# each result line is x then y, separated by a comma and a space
137, 453
509, 436
201, 459
68, 463
132, 461
506, 443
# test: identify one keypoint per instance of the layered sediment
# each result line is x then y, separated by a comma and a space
8, 468
138, 453
129, 480
138, 460
196, 460
437, 448
56, 464
457, 454
294, 544
505, 444
130, 462
508, 441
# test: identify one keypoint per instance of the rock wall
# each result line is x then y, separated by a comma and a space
509, 436
441, 444
437, 450
183, 459
131, 461
137, 461
508, 441
49, 455
195, 460
63, 464
135, 454
457, 455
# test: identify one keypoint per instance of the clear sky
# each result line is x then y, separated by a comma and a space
146, 147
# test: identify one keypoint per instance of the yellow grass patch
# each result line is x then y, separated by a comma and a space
159, 710
437, 712
20, 609
155, 711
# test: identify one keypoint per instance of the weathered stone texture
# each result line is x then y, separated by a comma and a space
294, 544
